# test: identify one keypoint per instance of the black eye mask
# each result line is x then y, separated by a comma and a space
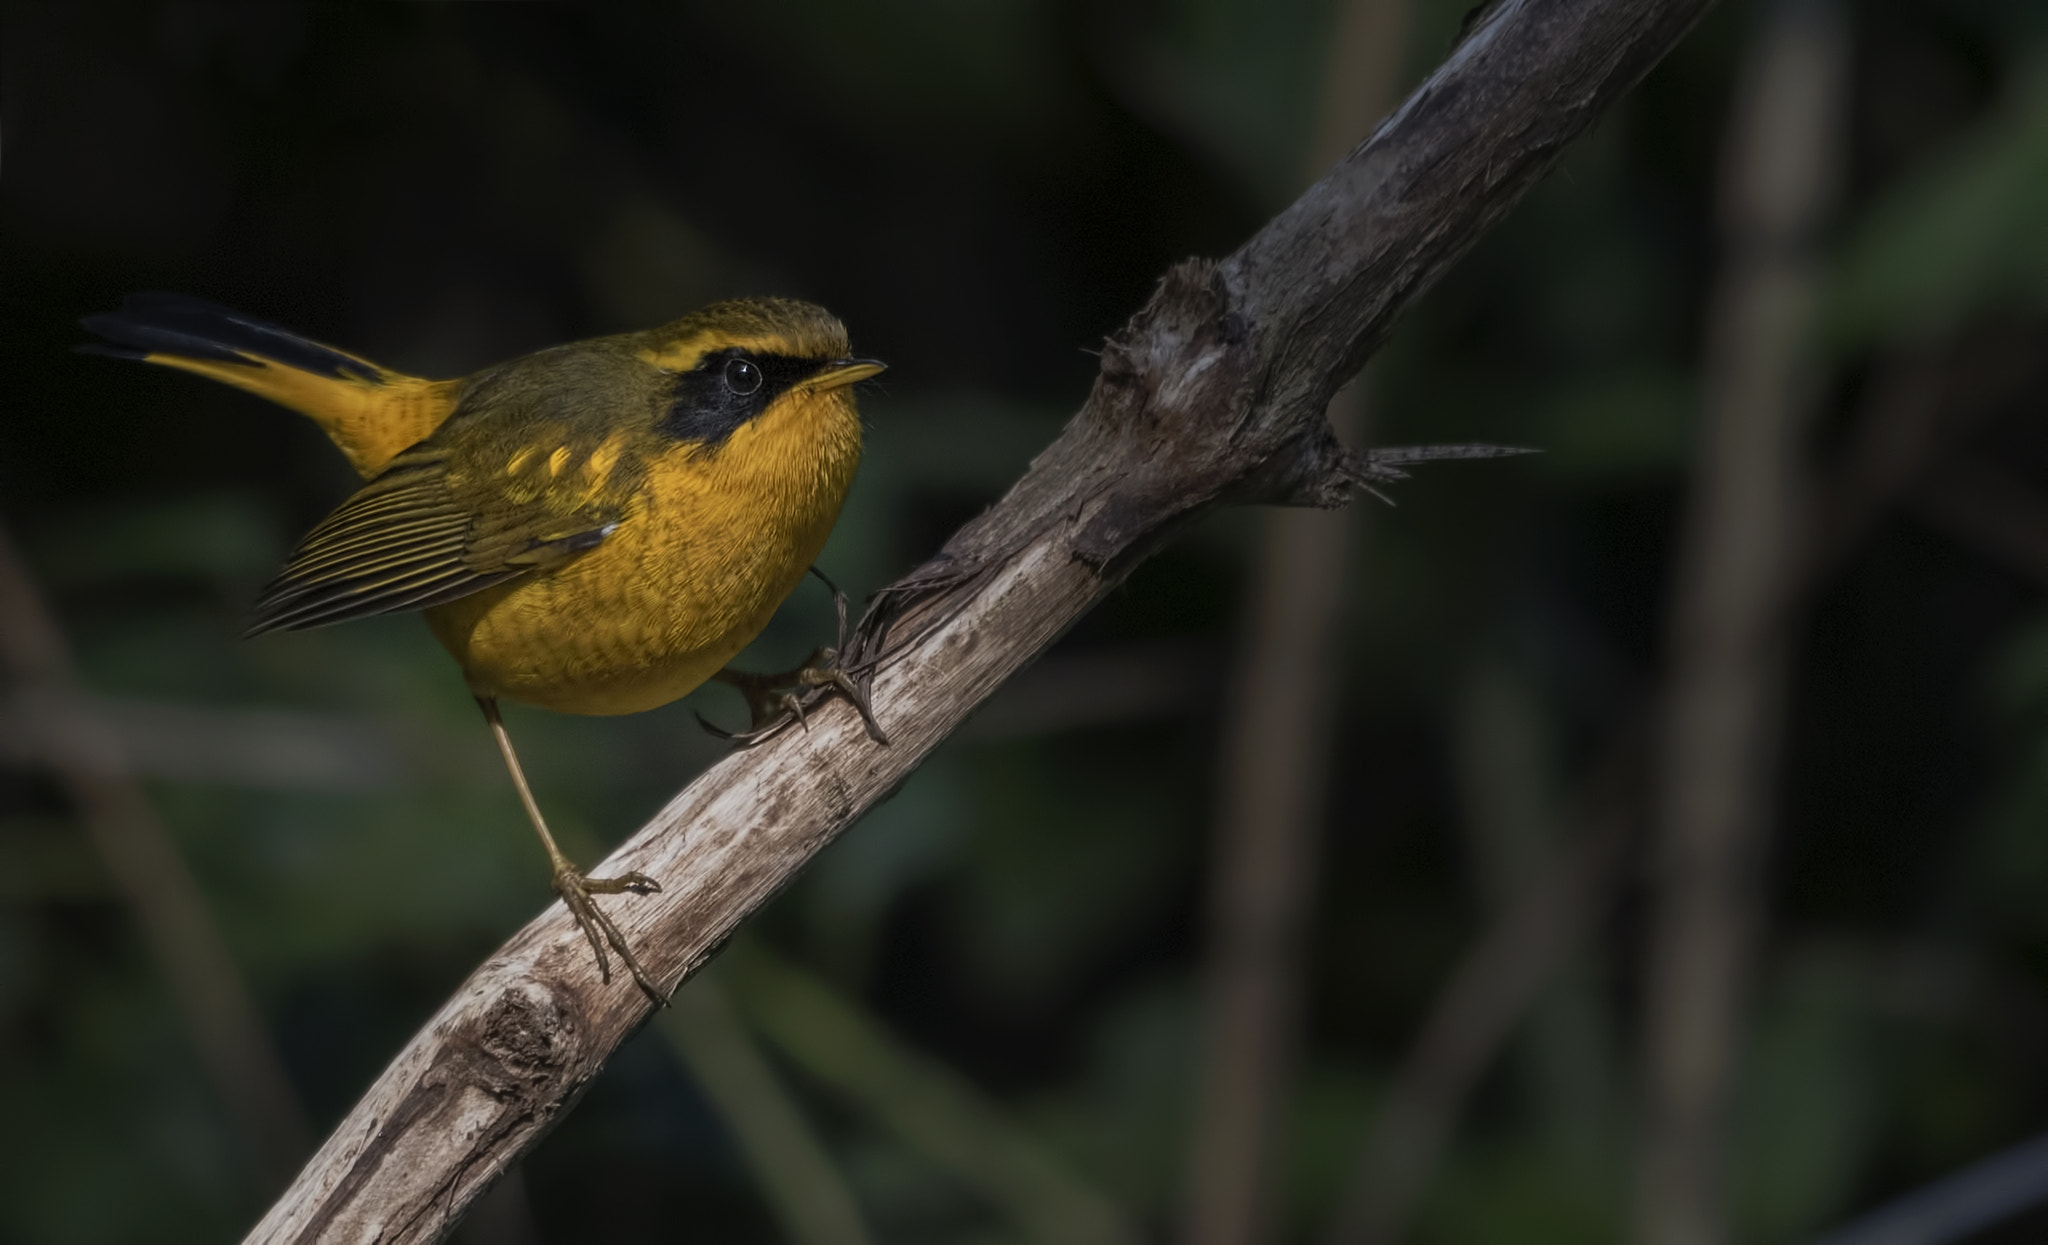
729, 387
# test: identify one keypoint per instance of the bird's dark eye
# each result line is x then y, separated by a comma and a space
741, 376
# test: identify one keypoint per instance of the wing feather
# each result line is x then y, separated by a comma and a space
418, 538
408, 541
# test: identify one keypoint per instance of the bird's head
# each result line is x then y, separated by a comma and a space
735, 362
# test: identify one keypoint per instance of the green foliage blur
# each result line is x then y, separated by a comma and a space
983, 192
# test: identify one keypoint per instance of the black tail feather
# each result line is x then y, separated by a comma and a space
194, 328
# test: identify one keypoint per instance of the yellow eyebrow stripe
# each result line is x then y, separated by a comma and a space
681, 356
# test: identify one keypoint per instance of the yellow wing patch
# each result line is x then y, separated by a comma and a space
598, 467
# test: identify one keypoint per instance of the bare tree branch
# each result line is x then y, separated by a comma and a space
1212, 394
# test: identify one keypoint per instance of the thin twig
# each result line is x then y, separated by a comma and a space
1508, 789
1730, 647
1898, 424
926, 1104
801, 1183
1916, 402
1957, 1207
218, 1010
1213, 394
1986, 508
1270, 791
1491, 990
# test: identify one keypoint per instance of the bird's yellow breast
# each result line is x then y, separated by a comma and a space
707, 548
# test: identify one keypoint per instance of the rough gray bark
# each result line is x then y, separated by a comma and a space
1212, 394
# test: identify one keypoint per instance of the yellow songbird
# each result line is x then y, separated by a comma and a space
594, 528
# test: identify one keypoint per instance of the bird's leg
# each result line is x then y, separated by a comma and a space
776, 700
574, 888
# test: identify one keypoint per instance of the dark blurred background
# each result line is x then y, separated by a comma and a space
978, 1017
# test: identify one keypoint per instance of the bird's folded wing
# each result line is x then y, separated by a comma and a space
410, 539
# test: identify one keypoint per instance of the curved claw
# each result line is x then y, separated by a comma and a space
774, 713
776, 700
633, 882
588, 920
711, 728
774, 726
576, 891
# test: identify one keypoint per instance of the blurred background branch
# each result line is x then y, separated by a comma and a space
192, 743
1986, 509
1958, 1207
798, 1177
220, 1014
1554, 897
928, 1106
1723, 716
1276, 752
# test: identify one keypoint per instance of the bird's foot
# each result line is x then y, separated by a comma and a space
774, 701
777, 701
576, 891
